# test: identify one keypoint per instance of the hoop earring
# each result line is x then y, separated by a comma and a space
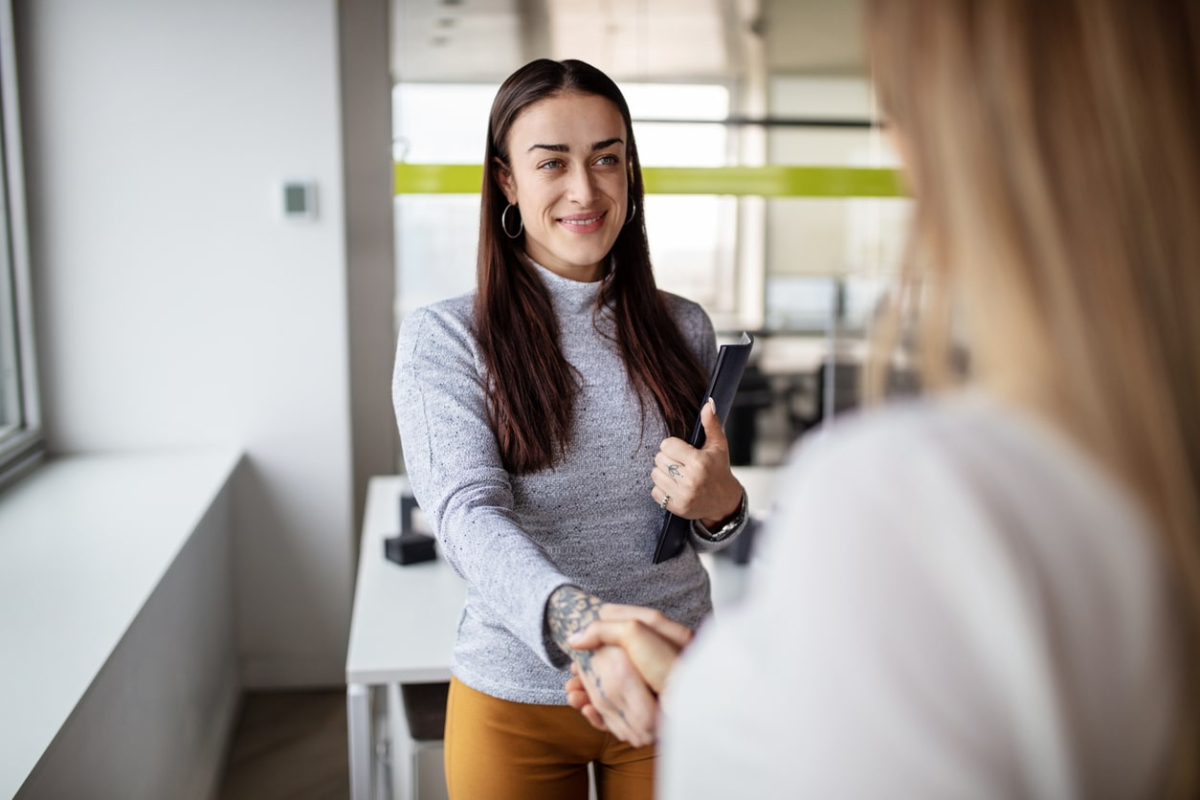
504, 222
632, 213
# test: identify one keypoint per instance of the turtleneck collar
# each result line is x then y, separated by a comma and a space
571, 298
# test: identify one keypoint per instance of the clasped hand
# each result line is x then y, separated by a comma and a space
617, 695
633, 650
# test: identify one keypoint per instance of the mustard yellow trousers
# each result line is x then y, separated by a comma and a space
500, 750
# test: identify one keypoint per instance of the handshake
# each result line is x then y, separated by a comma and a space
621, 658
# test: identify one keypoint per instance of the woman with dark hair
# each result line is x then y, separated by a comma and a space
541, 418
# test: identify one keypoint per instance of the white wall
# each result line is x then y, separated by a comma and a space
175, 307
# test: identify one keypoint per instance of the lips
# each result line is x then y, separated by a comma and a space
583, 223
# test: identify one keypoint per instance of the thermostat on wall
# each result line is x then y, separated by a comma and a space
299, 200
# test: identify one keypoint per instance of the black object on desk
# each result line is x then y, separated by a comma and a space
410, 547
425, 709
722, 388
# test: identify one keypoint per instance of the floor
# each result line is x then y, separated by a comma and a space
289, 745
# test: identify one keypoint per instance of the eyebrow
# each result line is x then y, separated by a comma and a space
562, 148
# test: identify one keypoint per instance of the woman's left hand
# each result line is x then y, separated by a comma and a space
697, 483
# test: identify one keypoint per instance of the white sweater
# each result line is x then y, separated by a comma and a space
589, 521
952, 602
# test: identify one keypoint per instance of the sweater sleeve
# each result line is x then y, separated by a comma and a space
457, 476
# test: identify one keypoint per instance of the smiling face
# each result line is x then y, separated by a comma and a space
568, 176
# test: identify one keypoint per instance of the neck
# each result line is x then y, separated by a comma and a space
581, 274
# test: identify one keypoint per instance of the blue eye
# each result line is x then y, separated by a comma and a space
553, 163
607, 160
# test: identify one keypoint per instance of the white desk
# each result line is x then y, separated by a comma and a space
402, 629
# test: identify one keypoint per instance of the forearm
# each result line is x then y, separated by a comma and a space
481, 538
456, 473
569, 611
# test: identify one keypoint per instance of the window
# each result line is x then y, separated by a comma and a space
437, 235
692, 237
828, 260
20, 423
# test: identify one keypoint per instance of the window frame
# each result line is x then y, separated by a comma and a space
21, 449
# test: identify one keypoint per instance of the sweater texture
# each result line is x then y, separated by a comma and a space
588, 521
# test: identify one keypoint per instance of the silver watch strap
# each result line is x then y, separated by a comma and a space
723, 532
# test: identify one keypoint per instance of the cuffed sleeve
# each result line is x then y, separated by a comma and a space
702, 537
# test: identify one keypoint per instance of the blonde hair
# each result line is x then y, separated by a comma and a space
1057, 186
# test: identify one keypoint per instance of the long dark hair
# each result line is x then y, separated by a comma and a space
531, 388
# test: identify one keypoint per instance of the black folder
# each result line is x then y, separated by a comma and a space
722, 388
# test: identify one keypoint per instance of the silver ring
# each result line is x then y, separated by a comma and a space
666, 499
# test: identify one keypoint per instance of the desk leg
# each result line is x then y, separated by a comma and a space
358, 719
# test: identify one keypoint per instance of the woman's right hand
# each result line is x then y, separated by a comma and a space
647, 638
617, 695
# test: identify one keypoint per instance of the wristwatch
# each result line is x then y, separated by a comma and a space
731, 525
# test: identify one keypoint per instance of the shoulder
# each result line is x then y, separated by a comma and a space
691, 318
964, 441
968, 482
924, 449
433, 328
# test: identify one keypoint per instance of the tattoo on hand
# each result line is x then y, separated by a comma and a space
674, 471
571, 610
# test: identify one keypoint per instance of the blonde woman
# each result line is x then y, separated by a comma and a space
992, 592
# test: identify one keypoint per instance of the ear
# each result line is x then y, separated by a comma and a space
504, 178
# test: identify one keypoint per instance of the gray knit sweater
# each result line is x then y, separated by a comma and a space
589, 521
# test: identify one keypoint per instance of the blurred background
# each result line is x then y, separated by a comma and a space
710, 84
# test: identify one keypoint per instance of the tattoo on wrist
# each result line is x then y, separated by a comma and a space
571, 610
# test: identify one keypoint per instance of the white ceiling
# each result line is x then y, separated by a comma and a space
646, 40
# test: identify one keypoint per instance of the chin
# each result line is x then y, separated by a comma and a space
582, 257
592, 253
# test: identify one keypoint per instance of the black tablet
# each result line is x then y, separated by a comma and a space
722, 388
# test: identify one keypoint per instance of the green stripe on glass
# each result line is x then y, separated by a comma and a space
751, 181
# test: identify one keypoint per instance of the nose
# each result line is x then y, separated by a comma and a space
582, 189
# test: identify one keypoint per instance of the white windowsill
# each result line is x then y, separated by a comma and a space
84, 541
